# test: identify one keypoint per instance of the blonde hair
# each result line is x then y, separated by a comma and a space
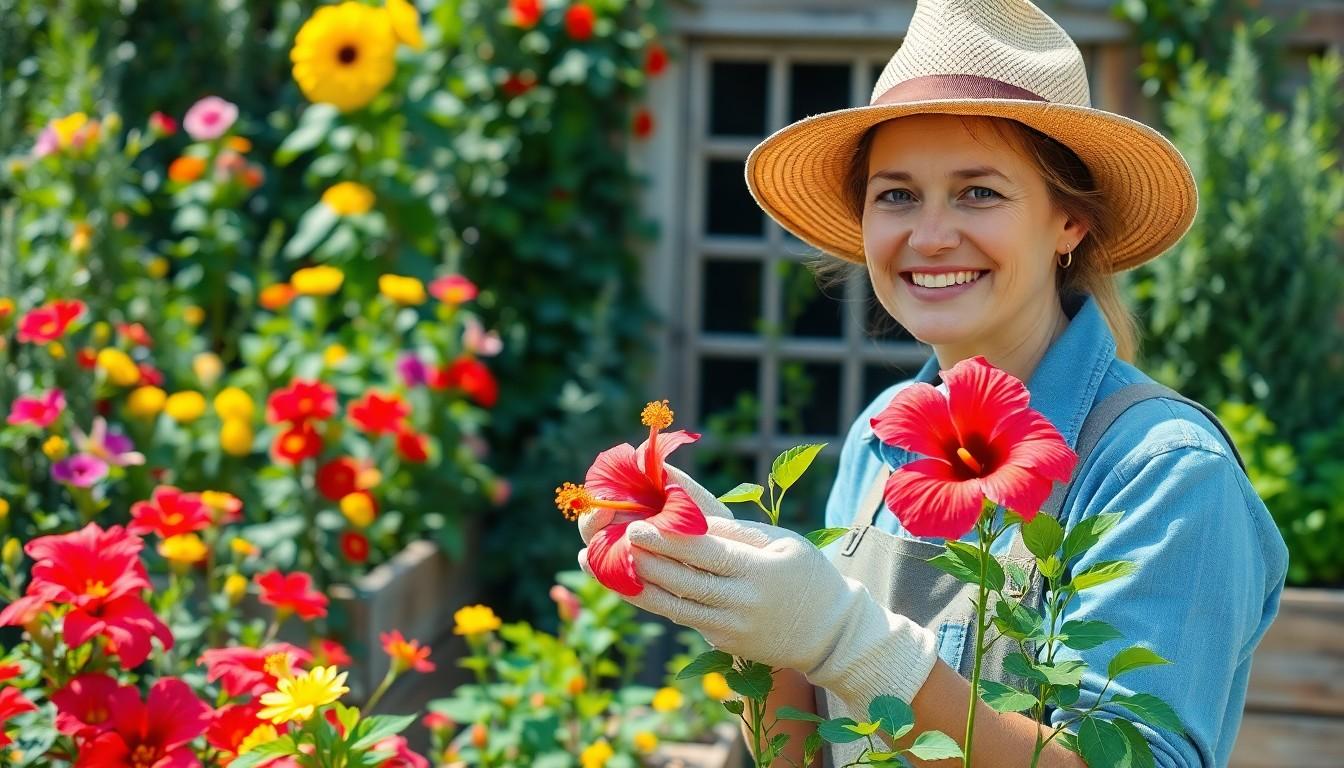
1074, 192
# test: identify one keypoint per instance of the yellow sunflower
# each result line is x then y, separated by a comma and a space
406, 23
344, 54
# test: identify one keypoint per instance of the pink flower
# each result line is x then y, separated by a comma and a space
453, 289
47, 143
478, 341
210, 118
566, 603
162, 124
80, 470
38, 411
403, 757
114, 448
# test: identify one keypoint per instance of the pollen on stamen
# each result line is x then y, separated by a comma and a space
573, 500
656, 415
280, 665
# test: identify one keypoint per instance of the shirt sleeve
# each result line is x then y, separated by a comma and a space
1206, 586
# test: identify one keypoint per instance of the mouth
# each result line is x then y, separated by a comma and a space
943, 280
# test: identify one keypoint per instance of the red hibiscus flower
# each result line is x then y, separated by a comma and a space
38, 411
472, 377
405, 654
633, 483
355, 547
170, 512
12, 701
50, 321
412, 446
242, 671
155, 733
301, 401
297, 443
377, 414
655, 61
579, 19
983, 441
525, 13
85, 706
292, 593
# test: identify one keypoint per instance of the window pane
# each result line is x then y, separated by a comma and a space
729, 404
809, 309
731, 294
809, 398
878, 376
738, 93
729, 208
817, 88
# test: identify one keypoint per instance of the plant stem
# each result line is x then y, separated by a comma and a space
980, 611
381, 689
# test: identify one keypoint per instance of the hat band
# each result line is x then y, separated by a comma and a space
938, 87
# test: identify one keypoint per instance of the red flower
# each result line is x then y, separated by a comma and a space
642, 125
127, 624
162, 124
292, 593
242, 671
230, 724
472, 377
655, 61
300, 401
437, 721
579, 19
453, 289
516, 85
405, 654
150, 375
412, 446
297, 443
38, 411
329, 653
87, 357
12, 701
633, 483
170, 513
983, 441
86, 705
402, 756
355, 547
525, 13
338, 477
49, 321
135, 333
377, 415
155, 733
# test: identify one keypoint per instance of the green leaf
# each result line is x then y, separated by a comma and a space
755, 682
313, 127
314, 226
1018, 664
811, 746
1151, 710
743, 492
970, 555
1043, 535
374, 729
1140, 753
791, 464
1101, 573
709, 661
735, 706
934, 745
895, 715
263, 752
820, 538
1050, 567
793, 713
1068, 741
1087, 533
1018, 575
1083, 635
1018, 621
1133, 657
835, 731
1003, 698
1065, 695
1064, 673
864, 729
950, 562
1102, 744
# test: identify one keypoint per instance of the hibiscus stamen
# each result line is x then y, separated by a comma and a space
969, 460
656, 415
574, 500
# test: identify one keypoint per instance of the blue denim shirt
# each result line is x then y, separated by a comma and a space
1211, 563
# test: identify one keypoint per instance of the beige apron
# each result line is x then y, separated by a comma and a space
896, 571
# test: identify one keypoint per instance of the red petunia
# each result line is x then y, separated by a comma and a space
301, 401
525, 13
242, 671
170, 512
292, 593
983, 441
471, 377
296, 443
230, 724
338, 478
412, 446
149, 375
655, 61
12, 701
329, 653
402, 756
405, 654
377, 414
579, 19
355, 547
85, 706
50, 321
157, 732
38, 411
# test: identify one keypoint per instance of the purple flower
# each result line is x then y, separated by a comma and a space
209, 118
111, 447
413, 370
80, 470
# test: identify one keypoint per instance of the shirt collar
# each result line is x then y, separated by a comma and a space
1064, 385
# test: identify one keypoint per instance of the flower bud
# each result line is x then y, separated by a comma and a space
12, 553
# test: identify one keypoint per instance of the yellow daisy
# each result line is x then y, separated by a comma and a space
297, 698
475, 620
344, 54
402, 289
667, 700
406, 23
597, 754
321, 280
348, 198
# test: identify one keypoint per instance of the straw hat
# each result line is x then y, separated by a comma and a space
995, 58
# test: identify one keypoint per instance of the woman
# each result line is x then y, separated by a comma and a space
991, 206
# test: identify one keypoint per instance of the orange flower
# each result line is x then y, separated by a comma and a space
277, 296
238, 144
406, 654
186, 169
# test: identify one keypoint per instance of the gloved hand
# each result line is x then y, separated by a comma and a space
592, 522
768, 594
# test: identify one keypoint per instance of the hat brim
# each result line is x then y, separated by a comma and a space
797, 175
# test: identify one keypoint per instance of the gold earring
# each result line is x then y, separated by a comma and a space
1065, 261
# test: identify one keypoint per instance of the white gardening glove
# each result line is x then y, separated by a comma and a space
768, 594
592, 522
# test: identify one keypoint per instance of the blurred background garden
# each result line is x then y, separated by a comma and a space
319, 302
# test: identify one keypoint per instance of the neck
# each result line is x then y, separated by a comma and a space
1017, 348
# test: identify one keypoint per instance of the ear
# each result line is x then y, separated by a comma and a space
1071, 235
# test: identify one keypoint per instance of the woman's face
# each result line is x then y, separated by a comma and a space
961, 236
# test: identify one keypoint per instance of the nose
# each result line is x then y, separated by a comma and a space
934, 232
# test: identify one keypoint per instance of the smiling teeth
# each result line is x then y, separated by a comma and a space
942, 280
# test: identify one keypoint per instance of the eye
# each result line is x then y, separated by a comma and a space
982, 194
896, 196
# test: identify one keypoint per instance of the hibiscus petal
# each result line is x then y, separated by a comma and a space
1018, 489
917, 419
680, 514
1032, 442
930, 501
981, 396
667, 443
617, 476
610, 559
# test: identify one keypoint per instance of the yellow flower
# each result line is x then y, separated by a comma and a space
79, 241
242, 547
475, 620
236, 437
207, 366
646, 741
358, 509
406, 23
67, 127
146, 402
235, 586
101, 332
318, 281
576, 685
183, 550
349, 198
297, 698
597, 754
344, 55
334, 354
193, 315
57, 351
184, 407
402, 290
667, 700
262, 734
56, 448
119, 366
234, 403
11, 554
716, 687
4, 508
158, 268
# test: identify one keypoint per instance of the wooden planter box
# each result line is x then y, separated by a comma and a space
1295, 703
727, 750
